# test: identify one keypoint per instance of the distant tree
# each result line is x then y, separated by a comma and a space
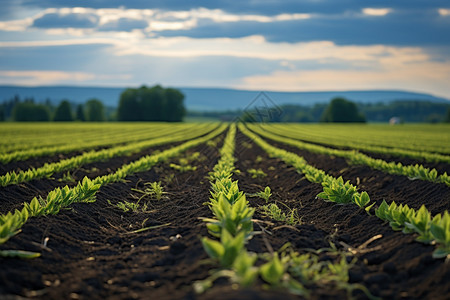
434, 118
174, 107
151, 104
129, 107
2, 114
95, 111
448, 115
247, 117
342, 110
63, 112
80, 113
30, 112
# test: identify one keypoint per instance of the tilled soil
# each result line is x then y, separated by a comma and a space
400, 269
12, 196
91, 251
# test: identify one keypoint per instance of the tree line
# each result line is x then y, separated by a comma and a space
151, 104
339, 110
27, 110
141, 104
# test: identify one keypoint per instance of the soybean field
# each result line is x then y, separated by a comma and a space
224, 211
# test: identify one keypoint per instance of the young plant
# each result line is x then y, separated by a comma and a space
362, 200
396, 215
274, 212
440, 229
127, 206
234, 218
420, 222
335, 190
155, 191
263, 194
227, 250
184, 165
67, 177
257, 173
273, 271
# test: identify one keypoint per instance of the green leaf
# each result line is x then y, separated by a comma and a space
365, 199
438, 232
19, 254
367, 209
214, 249
273, 270
440, 253
323, 195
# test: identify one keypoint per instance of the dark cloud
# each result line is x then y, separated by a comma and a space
266, 7
397, 28
72, 20
411, 23
124, 24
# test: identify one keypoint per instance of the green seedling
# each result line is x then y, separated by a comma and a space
420, 222
362, 200
246, 145
234, 218
127, 206
263, 194
335, 190
67, 177
183, 168
168, 179
155, 191
227, 250
256, 173
273, 271
440, 229
396, 215
226, 187
183, 163
273, 211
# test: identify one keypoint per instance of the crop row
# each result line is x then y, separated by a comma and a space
68, 164
354, 157
422, 138
85, 191
232, 228
74, 145
21, 136
349, 142
338, 191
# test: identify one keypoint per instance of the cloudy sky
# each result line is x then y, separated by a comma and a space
286, 45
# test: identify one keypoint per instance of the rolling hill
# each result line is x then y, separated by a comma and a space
212, 99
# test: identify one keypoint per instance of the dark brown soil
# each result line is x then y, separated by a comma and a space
92, 253
38, 162
440, 167
379, 185
13, 196
401, 269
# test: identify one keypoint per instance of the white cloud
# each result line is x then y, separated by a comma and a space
133, 43
424, 76
258, 47
444, 12
33, 77
16, 25
377, 12
157, 20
